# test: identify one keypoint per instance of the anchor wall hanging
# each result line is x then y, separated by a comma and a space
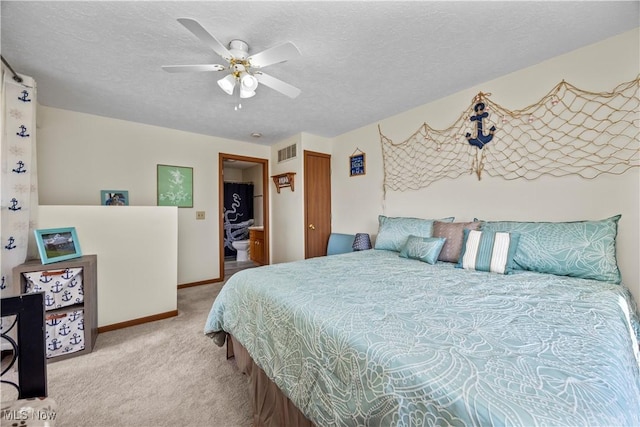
569, 131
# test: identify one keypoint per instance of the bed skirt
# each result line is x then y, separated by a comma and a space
271, 408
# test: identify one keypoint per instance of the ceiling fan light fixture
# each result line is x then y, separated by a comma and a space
246, 93
227, 83
248, 82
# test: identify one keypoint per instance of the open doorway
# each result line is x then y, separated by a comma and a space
244, 212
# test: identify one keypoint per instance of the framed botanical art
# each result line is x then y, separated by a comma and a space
175, 186
114, 197
57, 244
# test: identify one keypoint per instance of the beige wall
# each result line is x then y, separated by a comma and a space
136, 248
357, 201
81, 154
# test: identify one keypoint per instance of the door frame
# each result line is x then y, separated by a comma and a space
265, 202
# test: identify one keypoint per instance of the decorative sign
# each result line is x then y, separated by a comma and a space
284, 180
357, 163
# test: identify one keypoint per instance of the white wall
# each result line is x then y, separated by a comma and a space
137, 252
357, 201
81, 154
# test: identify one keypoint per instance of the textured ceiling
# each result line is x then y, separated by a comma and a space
361, 61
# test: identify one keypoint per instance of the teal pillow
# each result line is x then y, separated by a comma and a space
585, 249
393, 232
488, 251
425, 249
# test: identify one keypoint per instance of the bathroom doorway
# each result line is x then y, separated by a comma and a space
244, 209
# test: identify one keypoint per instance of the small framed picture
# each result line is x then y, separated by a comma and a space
357, 163
175, 186
57, 244
114, 197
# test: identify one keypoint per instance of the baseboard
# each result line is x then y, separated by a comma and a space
202, 282
138, 321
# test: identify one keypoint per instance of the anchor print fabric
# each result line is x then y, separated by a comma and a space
18, 179
65, 333
62, 288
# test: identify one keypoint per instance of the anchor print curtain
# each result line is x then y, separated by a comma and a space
18, 179
238, 214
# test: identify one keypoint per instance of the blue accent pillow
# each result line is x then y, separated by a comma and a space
425, 249
585, 249
393, 232
488, 251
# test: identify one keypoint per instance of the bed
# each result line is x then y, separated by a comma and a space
395, 336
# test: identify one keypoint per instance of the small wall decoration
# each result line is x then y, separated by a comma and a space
357, 163
175, 186
57, 244
114, 197
284, 180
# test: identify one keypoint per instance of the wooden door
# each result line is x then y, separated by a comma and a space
317, 203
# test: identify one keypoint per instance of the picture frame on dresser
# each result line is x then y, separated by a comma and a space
57, 244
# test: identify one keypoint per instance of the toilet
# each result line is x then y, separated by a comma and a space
242, 248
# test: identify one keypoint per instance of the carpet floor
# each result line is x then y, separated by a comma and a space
163, 373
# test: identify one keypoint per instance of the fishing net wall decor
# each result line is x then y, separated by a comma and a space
570, 131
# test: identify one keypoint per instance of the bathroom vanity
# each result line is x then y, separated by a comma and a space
256, 244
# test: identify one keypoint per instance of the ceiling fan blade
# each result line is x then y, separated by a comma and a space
195, 68
277, 84
197, 29
280, 53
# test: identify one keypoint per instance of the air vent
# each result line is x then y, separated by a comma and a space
287, 153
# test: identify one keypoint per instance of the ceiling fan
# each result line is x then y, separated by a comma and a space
244, 69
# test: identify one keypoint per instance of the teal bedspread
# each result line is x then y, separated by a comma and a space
369, 338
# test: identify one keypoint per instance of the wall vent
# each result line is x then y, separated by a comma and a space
287, 153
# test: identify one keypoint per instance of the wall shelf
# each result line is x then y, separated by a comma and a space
284, 180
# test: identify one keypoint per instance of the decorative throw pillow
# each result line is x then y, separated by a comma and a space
488, 251
454, 233
425, 249
585, 249
393, 232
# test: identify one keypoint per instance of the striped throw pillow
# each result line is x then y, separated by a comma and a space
488, 251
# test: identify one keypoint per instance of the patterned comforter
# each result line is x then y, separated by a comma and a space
369, 338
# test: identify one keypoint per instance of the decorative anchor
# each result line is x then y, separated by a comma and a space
57, 287
54, 344
3, 284
66, 296
49, 300
24, 97
66, 274
20, 168
64, 330
76, 339
74, 316
53, 321
14, 205
45, 279
481, 139
23, 132
10, 245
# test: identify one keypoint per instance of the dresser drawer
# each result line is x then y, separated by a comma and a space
62, 287
64, 332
